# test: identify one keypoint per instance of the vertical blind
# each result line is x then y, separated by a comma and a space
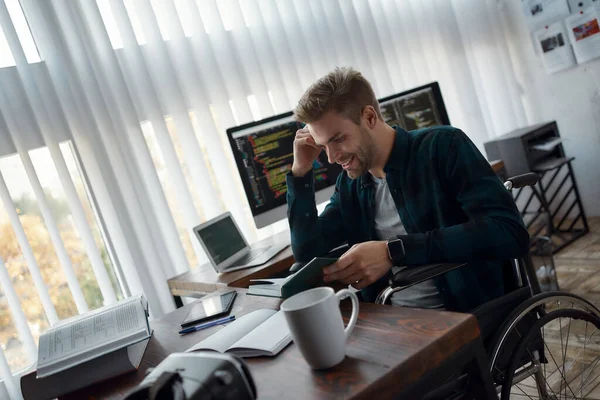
141, 92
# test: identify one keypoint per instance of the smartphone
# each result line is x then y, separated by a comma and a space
210, 308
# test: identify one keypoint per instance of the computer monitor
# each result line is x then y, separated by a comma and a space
264, 153
263, 150
417, 108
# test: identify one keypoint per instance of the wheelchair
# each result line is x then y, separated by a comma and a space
539, 345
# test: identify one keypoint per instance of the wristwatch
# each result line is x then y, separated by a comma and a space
395, 248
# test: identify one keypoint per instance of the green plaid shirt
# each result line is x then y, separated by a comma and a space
453, 206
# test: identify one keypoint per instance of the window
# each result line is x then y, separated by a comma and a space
135, 22
226, 11
161, 18
186, 19
23, 32
174, 194
37, 231
6, 57
110, 24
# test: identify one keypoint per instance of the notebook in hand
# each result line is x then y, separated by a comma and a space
310, 276
259, 333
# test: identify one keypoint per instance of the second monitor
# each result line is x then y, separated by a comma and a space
417, 108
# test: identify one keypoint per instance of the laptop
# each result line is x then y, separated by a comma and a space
226, 247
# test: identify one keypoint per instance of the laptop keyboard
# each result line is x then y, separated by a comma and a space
254, 253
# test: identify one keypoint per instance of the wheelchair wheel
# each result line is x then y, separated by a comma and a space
549, 348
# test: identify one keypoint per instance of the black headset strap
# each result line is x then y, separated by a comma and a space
167, 386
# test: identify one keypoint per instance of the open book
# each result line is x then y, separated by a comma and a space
98, 369
92, 335
259, 333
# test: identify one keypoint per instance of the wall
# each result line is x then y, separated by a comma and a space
571, 97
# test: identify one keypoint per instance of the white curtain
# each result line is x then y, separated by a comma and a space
130, 82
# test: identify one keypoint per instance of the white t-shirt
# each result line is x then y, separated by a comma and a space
387, 226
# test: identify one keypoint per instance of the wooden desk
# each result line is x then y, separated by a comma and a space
204, 279
393, 352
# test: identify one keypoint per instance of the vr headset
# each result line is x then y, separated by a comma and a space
197, 376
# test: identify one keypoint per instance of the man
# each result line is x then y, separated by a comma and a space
403, 199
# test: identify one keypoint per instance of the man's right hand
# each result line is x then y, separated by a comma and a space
305, 152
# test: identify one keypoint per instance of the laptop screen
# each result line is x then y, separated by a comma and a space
222, 239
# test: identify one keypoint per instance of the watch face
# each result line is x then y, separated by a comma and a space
396, 249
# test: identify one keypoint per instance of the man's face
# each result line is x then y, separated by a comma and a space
346, 143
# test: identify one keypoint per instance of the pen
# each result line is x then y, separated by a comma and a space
207, 325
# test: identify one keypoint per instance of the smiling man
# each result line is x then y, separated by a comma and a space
403, 199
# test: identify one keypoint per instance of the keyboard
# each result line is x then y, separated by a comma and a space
252, 255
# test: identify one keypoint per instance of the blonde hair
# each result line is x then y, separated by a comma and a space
344, 90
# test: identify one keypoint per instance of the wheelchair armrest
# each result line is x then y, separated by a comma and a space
413, 275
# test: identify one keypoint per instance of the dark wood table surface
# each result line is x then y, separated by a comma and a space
204, 279
390, 349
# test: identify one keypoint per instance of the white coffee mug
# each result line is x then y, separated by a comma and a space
317, 327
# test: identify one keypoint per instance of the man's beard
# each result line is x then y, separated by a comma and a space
364, 155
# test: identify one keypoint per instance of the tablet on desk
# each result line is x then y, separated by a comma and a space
210, 308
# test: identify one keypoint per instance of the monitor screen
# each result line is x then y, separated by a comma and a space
264, 153
417, 108
221, 239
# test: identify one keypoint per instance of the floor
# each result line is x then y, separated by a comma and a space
578, 272
578, 265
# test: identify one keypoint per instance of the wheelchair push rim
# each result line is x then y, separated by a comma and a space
562, 369
566, 340
538, 304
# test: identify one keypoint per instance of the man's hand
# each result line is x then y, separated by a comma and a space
305, 152
360, 266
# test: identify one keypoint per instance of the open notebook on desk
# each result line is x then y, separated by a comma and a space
259, 333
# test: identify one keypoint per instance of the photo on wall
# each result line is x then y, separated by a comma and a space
586, 29
536, 8
553, 42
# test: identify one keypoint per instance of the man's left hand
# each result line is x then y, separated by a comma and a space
360, 266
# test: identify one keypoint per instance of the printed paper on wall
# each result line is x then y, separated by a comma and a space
553, 45
584, 33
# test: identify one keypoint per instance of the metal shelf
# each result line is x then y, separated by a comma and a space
556, 204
